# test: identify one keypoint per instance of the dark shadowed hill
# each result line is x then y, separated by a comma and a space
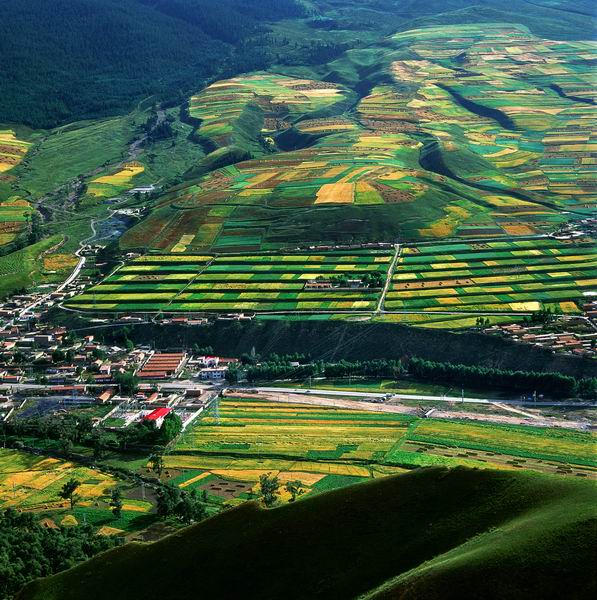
433, 533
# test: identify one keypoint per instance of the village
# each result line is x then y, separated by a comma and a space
44, 370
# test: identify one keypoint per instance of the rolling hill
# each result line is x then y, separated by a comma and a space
431, 533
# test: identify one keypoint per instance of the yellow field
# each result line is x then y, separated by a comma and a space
32, 482
336, 193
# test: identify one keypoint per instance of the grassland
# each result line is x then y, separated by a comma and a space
259, 282
494, 276
427, 534
74, 150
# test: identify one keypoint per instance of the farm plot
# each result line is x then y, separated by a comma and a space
327, 447
15, 219
240, 283
234, 110
322, 447
12, 150
516, 276
31, 482
526, 447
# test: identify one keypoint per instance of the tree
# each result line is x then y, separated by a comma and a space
295, 489
57, 356
189, 508
116, 502
232, 374
156, 460
171, 427
268, 488
100, 440
168, 498
127, 381
68, 491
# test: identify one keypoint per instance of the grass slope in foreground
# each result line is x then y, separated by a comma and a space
432, 533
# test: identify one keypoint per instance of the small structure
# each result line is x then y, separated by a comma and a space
157, 416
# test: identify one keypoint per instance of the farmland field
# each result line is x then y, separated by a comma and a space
15, 217
471, 132
32, 482
490, 276
12, 149
185, 282
329, 447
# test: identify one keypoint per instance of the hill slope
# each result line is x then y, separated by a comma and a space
433, 533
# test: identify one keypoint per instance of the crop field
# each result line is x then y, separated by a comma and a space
514, 276
508, 110
111, 185
224, 108
12, 150
498, 143
15, 215
329, 447
32, 482
197, 283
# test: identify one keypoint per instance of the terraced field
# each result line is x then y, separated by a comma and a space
494, 276
12, 149
329, 447
234, 110
15, 218
508, 110
195, 283
471, 131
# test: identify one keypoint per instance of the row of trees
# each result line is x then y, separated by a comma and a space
550, 383
554, 384
267, 371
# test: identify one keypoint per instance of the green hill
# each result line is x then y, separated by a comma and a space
433, 533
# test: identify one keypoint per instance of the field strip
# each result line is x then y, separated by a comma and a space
201, 270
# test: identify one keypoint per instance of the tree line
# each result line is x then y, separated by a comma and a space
543, 382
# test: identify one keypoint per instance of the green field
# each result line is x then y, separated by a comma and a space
196, 283
494, 276
497, 144
327, 447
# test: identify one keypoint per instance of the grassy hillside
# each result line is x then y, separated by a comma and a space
433, 533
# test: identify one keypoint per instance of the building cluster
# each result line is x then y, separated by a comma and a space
580, 341
43, 362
